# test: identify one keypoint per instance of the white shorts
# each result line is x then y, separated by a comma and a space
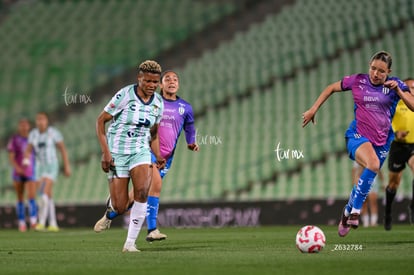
49, 170
126, 162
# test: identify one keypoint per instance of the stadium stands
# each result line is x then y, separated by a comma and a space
264, 77
48, 47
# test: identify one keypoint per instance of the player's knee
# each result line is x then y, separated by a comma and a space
141, 195
374, 166
393, 185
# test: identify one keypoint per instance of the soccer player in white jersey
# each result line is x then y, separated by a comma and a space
177, 117
44, 140
135, 112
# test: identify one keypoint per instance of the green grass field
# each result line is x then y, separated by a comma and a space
261, 250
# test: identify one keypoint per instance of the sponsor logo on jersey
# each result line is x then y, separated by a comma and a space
383, 154
371, 98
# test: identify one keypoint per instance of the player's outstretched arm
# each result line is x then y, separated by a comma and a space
309, 115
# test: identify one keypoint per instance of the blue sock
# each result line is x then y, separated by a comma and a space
112, 214
350, 203
363, 187
20, 211
32, 208
152, 212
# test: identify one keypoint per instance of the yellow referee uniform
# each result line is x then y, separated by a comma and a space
404, 121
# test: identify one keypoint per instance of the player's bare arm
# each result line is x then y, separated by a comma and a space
155, 147
407, 97
309, 115
106, 160
66, 164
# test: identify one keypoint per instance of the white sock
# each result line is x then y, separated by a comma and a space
355, 211
52, 213
33, 220
374, 219
44, 209
365, 220
137, 218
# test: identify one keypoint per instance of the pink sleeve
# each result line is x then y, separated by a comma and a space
348, 81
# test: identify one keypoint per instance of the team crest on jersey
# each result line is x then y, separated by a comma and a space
181, 110
385, 90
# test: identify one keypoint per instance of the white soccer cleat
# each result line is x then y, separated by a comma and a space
130, 248
155, 235
103, 224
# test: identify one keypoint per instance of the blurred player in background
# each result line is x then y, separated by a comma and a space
401, 152
177, 115
135, 112
23, 176
369, 210
44, 140
369, 135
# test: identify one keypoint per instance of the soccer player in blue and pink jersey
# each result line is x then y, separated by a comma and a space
369, 135
23, 176
177, 116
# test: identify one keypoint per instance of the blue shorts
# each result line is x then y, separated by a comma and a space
354, 140
168, 163
24, 179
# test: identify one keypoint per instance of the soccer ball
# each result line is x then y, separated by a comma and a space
310, 239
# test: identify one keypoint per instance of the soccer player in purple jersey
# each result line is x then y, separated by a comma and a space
23, 176
177, 116
369, 135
